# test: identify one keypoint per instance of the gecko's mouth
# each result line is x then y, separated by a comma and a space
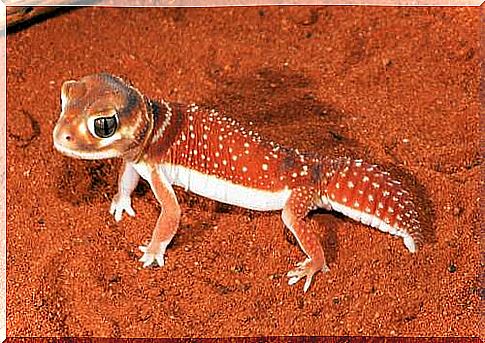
83, 155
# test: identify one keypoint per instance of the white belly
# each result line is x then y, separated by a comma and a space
225, 191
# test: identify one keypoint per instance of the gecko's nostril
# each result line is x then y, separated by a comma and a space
68, 138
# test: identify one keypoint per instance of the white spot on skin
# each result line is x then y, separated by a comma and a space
244, 169
350, 184
192, 135
365, 179
264, 166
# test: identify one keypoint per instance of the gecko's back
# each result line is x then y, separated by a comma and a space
212, 155
216, 157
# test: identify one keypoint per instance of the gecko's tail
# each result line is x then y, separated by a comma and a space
364, 193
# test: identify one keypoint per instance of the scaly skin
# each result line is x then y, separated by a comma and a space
214, 156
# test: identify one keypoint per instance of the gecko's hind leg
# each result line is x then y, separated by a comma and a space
300, 202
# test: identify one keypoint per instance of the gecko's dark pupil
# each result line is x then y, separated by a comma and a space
105, 127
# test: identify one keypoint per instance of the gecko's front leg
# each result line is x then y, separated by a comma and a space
167, 223
127, 182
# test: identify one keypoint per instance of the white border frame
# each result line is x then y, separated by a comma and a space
129, 3
3, 173
224, 3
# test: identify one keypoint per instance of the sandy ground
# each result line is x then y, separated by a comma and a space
396, 86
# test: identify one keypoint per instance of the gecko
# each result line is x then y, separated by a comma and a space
213, 155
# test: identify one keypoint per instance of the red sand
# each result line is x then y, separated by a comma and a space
397, 86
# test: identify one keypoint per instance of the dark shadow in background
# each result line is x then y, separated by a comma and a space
50, 13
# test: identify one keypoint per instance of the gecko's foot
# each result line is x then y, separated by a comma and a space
120, 204
305, 269
149, 256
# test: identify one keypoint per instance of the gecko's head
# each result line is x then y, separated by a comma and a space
102, 117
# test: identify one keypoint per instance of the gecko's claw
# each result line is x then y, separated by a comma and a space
149, 257
120, 204
304, 269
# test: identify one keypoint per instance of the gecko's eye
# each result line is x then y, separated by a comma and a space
105, 127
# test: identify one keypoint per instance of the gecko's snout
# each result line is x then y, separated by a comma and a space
67, 138
62, 137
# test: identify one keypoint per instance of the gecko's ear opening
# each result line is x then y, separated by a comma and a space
73, 89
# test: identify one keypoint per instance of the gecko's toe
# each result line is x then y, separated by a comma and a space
130, 211
304, 269
119, 205
149, 257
